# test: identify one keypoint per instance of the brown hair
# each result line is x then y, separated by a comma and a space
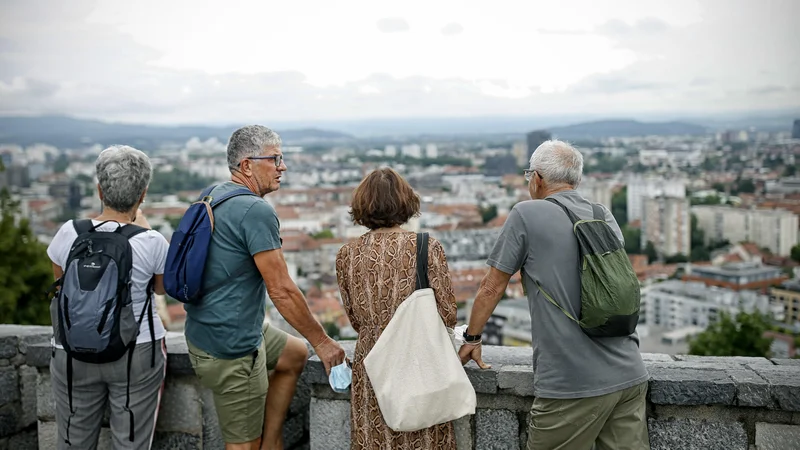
383, 200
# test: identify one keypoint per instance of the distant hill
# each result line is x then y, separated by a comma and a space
70, 132
625, 128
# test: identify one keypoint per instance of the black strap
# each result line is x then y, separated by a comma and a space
149, 305
598, 212
82, 226
69, 393
422, 261
131, 348
130, 230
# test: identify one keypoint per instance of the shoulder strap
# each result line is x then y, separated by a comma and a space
218, 201
82, 226
422, 261
572, 217
598, 212
130, 230
206, 192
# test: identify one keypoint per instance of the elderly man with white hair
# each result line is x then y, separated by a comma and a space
589, 390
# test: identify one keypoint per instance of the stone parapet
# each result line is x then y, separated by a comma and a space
693, 402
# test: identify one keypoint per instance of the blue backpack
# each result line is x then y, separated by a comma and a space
188, 249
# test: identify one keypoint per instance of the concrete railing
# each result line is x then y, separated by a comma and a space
693, 402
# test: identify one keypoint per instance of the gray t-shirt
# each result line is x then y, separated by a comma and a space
227, 322
537, 237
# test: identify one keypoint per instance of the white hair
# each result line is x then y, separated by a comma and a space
248, 141
558, 163
123, 174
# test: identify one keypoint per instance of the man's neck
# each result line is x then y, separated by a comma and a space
556, 190
246, 182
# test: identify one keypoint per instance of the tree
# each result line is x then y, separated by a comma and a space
650, 251
796, 253
790, 170
633, 237
324, 234
61, 163
25, 270
728, 336
331, 329
676, 258
488, 213
619, 206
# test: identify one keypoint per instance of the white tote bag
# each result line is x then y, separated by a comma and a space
416, 374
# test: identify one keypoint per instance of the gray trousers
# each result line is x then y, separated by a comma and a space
95, 385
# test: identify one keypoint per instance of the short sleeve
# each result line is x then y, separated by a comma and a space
261, 228
58, 250
159, 247
509, 252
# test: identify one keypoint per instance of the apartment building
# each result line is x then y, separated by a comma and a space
737, 276
642, 187
666, 223
788, 295
775, 229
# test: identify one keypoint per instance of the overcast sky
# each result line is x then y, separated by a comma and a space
173, 61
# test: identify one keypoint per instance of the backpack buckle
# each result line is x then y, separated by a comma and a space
207, 199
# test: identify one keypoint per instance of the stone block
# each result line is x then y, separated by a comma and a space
181, 408
691, 387
518, 379
463, 429
693, 434
38, 355
771, 436
302, 395
177, 441
496, 429
178, 362
47, 435
34, 336
212, 435
724, 360
751, 389
26, 440
784, 385
657, 357
501, 401
104, 440
329, 424
787, 362
483, 380
8, 346
45, 402
9, 385
28, 377
315, 371
294, 430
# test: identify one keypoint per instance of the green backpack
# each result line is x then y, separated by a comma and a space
610, 294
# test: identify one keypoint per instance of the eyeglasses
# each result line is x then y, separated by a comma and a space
529, 174
278, 159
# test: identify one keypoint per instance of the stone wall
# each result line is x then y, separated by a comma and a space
693, 402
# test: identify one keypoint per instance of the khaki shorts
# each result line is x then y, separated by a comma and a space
240, 385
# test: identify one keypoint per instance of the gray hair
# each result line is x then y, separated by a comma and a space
558, 162
123, 174
250, 141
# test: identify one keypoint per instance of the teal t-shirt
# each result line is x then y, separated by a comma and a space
227, 322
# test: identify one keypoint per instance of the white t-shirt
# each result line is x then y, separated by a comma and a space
149, 255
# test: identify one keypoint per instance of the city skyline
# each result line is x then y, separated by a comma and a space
183, 63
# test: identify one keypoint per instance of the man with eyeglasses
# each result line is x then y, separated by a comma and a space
231, 347
588, 391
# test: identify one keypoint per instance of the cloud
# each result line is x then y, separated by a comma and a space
768, 89
649, 25
452, 29
393, 25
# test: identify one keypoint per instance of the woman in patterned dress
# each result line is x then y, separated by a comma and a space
376, 272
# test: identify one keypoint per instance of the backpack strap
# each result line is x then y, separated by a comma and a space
206, 192
82, 226
422, 261
598, 212
130, 230
572, 217
227, 196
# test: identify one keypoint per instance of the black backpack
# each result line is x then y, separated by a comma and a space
92, 312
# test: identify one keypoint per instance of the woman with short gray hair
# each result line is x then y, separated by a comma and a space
132, 384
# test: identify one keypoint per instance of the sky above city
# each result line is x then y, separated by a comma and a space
171, 62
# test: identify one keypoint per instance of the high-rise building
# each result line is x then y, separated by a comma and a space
796, 129
666, 223
597, 191
775, 229
640, 188
535, 139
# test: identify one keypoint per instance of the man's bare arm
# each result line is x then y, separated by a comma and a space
489, 294
287, 296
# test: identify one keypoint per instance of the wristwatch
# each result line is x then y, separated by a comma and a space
471, 338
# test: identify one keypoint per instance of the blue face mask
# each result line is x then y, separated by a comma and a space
341, 377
